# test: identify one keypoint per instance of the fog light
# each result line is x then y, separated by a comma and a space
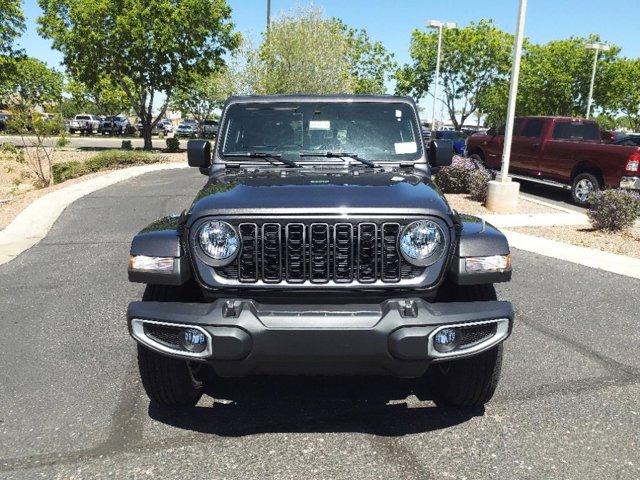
194, 340
494, 263
445, 340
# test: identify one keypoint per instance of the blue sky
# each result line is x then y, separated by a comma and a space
392, 21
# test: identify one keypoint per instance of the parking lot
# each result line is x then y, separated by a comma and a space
72, 405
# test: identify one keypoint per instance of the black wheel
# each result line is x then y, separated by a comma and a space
583, 186
72, 131
468, 382
169, 382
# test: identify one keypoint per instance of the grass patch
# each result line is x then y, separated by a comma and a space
109, 159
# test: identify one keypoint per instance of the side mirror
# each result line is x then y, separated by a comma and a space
440, 153
199, 153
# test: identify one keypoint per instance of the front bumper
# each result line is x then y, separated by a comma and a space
630, 183
390, 338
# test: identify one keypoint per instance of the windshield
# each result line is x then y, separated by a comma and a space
374, 131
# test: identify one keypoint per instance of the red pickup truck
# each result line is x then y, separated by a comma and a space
561, 151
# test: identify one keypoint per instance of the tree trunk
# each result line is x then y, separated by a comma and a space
146, 131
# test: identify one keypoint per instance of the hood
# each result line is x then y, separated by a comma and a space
313, 191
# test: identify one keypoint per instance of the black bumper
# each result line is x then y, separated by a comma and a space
390, 338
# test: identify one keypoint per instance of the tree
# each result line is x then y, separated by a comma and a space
619, 91
104, 98
33, 84
305, 52
202, 94
145, 48
12, 24
473, 59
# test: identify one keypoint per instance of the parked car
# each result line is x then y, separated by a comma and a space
84, 123
562, 152
155, 130
210, 128
629, 140
165, 126
295, 259
458, 139
188, 128
114, 125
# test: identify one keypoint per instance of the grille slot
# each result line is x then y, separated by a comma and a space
167, 335
248, 258
390, 254
472, 334
367, 252
319, 252
296, 252
343, 253
271, 254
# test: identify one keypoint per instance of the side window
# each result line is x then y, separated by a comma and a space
533, 128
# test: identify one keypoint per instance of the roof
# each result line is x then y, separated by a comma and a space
342, 97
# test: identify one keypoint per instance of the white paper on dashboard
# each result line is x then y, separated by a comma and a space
405, 147
319, 125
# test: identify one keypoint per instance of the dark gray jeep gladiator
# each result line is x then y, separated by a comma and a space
320, 246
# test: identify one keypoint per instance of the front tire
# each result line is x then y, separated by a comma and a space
468, 382
583, 186
169, 382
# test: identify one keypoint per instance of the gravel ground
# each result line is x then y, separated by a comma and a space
16, 201
463, 204
623, 243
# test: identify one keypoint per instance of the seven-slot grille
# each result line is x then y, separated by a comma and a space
319, 253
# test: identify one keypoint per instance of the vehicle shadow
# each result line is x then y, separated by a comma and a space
312, 404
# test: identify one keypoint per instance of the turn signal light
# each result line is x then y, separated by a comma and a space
494, 263
633, 164
143, 263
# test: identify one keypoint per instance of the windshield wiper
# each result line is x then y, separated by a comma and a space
266, 155
341, 155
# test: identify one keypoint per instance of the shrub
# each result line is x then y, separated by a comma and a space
479, 184
456, 178
62, 142
108, 159
126, 145
613, 210
173, 144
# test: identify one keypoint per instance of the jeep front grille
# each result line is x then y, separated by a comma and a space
319, 253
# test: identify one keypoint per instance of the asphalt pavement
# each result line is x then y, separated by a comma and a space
95, 141
72, 407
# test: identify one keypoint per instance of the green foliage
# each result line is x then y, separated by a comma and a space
32, 84
202, 94
305, 52
619, 92
474, 58
104, 98
464, 176
173, 145
12, 24
613, 210
145, 48
63, 141
126, 145
108, 159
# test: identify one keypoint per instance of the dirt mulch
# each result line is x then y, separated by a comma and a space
621, 243
14, 200
463, 204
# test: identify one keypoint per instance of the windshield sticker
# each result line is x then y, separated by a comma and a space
405, 147
398, 113
319, 125
397, 179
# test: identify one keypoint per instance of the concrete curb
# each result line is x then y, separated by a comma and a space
589, 257
34, 222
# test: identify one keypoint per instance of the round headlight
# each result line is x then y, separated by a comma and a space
422, 242
218, 240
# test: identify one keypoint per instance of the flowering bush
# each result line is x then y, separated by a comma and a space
613, 210
464, 176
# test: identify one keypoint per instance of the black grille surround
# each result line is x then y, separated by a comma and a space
290, 252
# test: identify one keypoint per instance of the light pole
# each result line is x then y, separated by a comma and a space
440, 26
268, 14
502, 194
597, 47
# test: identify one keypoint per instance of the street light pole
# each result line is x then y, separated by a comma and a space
268, 14
440, 26
502, 193
597, 47
513, 92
